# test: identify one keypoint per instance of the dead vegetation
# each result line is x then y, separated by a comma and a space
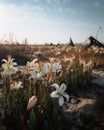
23, 53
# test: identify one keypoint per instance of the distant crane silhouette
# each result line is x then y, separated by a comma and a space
99, 29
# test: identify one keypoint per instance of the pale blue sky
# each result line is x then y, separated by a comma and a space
52, 20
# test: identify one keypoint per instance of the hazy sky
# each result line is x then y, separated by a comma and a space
52, 20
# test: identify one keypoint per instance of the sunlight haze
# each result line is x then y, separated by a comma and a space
46, 21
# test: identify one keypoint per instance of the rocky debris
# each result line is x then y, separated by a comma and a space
98, 72
74, 100
81, 115
83, 104
98, 77
99, 81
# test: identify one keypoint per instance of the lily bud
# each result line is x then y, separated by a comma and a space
32, 102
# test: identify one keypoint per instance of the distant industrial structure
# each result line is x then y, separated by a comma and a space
95, 42
71, 42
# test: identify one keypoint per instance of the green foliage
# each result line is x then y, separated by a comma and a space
76, 79
44, 115
13, 108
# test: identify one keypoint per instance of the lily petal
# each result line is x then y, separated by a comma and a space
4, 60
56, 86
35, 60
66, 96
54, 94
19, 83
61, 101
62, 87
36, 68
46, 68
12, 59
14, 63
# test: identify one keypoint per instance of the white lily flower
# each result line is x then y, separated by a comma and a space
9, 69
32, 102
52, 59
9, 60
46, 68
32, 63
65, 59
9, 66
36, 68
59, 93
16, 85
33, 74
56, 66
36, 75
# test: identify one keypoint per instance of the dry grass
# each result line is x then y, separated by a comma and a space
23, 53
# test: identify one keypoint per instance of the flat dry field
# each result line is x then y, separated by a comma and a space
24, 53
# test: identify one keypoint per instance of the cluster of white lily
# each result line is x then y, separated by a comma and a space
87, 65
16, 85
10, 67
96, 50
37, 70
69, 55
58, 51
70, 59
